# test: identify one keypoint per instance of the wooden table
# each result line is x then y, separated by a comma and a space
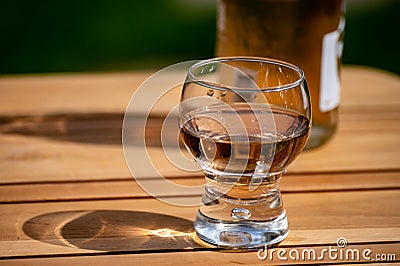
67, 195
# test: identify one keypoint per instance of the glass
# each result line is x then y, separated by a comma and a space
244, 120
307, 33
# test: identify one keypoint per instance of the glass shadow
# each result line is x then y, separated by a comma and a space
112, 230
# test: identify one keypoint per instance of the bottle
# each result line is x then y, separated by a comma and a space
307, 33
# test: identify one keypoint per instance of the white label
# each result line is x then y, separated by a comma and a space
329, 97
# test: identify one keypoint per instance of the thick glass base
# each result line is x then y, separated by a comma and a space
235, 216
241, 234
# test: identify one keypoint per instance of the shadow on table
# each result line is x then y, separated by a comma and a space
95, 128
112, 230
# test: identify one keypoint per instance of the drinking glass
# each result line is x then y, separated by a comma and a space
244, 120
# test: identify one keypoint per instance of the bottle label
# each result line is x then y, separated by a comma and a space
332, 49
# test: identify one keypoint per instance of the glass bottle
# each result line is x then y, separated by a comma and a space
307, 33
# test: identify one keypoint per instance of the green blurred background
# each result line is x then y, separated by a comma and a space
103, 35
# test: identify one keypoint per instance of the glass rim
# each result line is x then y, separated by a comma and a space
272, 61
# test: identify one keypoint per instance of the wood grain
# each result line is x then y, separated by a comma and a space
93, 226
44, 150
90, 92
221, 258
127, 188
67, 196
63, 137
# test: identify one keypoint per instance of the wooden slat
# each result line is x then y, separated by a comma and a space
127, 225
110, 92
128, 188
57, 138
390, 251
28, 159
49, 151
106, 128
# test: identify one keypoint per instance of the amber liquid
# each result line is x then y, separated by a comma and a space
268, 148
291, 31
